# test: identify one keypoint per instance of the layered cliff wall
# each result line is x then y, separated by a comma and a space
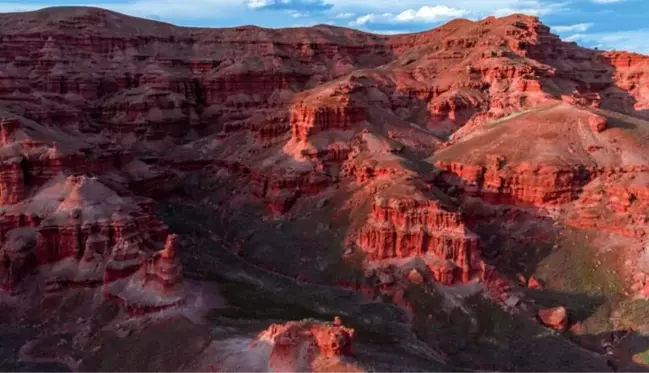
76, 232
408, 228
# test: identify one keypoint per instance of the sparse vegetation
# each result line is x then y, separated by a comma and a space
582, 280
254, 295
437, 325
633, 314
642, 358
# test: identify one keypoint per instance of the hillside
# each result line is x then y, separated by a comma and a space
473, 197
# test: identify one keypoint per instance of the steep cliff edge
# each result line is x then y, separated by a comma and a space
569, 147
415, 226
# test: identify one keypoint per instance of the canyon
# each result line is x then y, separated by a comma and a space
452, 199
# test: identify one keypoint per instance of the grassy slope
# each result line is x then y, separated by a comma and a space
260, 297
479, 335
587, 278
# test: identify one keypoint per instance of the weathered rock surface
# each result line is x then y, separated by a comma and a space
75, 231
61, 228
405, 228
300, 346
555, 318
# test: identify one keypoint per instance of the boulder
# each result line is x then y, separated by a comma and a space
415, 277
555, 318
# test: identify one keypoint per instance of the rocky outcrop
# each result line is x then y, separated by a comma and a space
279, 191
153, 114
616, 201
77, 232
405, 228
631, 76
297, 346
12, 181
308, 120
17, 258
157, 284
74, 231
32, 154
555, 318
597, 123
523, 183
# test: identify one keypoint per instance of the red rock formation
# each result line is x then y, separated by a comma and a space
533, 283
616, 201
307, 120
12, 183
177, 90
597, 123
156, 285
17, 258
631, 76
297, 345
403, 228
80, 233
552, 170
415, 277
279, 191
166, 269
523, 183
555, 318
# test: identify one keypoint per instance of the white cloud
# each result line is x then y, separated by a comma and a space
580, 27
287, 4
372, 18
628, 40
480, 7
429, 13
296, 14
389, 32
532, 8
425, 14
606, 1
574, 37
346, 15
256, 4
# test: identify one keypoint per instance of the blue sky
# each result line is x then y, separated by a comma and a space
607, 24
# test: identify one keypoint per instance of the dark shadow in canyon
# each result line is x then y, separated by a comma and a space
308, 243
500, 341
619, 348
492, 216
599, 79
621, 360
12, 337
206, 259
580, 306
489, 338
